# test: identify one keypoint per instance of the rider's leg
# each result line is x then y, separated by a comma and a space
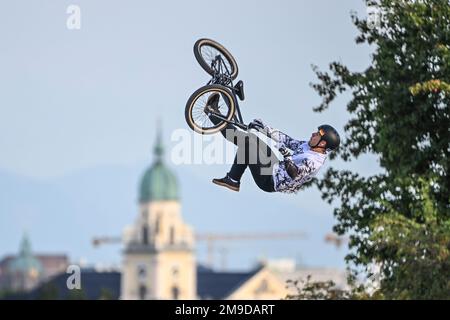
258, 156
230, 132
241, 161
262, 170
251, 152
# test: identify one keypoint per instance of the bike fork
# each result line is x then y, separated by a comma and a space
238, 124
239, 115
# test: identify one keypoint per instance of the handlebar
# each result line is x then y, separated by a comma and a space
285, 152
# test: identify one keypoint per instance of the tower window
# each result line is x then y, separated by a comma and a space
158, 223
175, 293
145, 239
142, 272
142, 292
172, 235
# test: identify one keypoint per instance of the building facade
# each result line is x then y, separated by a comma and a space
26, 270
158, 260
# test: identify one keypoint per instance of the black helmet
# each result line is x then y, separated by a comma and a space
330, 135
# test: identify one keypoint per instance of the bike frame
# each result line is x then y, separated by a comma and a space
222, 77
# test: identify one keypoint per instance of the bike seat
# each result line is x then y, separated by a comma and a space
239, 87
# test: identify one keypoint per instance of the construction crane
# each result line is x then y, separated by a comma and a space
212, 238
333, 238
97, 241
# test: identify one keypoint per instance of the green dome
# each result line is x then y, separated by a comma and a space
158, 182
25, 261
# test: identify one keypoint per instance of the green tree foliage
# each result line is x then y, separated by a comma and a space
49, 291
316, 290
6, 293
327, 290
76, 294
106, 294
398, 220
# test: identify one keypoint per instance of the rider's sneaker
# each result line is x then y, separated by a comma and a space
212, 104
228, 183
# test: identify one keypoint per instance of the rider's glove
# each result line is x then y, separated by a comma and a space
256, 124
291, 168
284, 152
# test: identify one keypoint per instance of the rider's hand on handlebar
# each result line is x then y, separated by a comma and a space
284, 152
256, 124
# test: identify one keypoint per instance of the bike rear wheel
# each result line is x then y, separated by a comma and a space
196, 116
206, 50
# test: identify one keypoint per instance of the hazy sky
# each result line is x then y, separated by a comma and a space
71, 100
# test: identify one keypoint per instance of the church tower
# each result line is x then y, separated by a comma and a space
25, 271
159, 260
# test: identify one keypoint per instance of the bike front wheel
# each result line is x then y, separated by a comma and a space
206, 51
197, 115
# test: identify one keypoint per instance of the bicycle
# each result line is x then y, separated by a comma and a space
217, 61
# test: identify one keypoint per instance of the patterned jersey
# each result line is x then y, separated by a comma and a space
308, 162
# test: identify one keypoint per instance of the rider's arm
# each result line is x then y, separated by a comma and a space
291, 168
282, 138
301, 170
286, 140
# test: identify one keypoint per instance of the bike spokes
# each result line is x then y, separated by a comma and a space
204, 117
216, 59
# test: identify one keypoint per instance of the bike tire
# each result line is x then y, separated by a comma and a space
201, 43
194, 98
